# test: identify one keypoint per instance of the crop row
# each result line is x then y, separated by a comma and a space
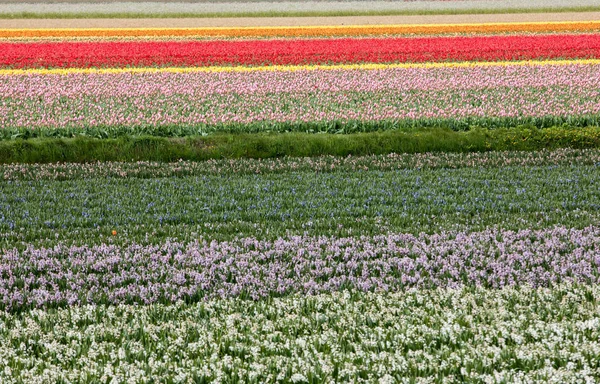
330, 164
517, 335
52, 88
290, 52
225, 206
356, 100
306, 31
251, 268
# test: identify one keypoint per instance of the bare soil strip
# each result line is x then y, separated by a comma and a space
294, 21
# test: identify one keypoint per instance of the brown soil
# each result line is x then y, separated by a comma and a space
294, 21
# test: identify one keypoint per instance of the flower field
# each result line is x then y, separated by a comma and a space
472, 254
367, 78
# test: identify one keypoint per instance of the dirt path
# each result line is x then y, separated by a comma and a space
293, 21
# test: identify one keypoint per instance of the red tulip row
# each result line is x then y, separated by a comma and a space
290, 52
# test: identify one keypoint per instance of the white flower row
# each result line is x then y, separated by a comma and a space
428, 336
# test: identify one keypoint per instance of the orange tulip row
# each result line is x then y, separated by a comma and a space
310, 31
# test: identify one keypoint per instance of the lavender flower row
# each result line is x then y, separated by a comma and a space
197, 99
248, 267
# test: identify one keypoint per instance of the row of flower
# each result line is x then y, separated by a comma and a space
516, 335
330, 164
251, 268
366, 99
300, 51
272, 205
306, 31
190, 87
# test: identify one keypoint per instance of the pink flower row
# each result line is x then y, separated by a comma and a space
133, 100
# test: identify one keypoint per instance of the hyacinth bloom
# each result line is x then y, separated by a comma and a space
255, 268
433, 267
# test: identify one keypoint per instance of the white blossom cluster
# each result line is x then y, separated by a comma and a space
516, 334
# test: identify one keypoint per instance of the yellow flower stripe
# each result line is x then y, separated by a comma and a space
353, 30
292, 68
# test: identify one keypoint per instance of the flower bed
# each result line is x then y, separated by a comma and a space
405, 267
294, 52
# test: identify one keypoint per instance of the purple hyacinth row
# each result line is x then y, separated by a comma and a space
253, 268
82, 100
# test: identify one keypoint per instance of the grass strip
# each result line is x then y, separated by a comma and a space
128, 148
146, 15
